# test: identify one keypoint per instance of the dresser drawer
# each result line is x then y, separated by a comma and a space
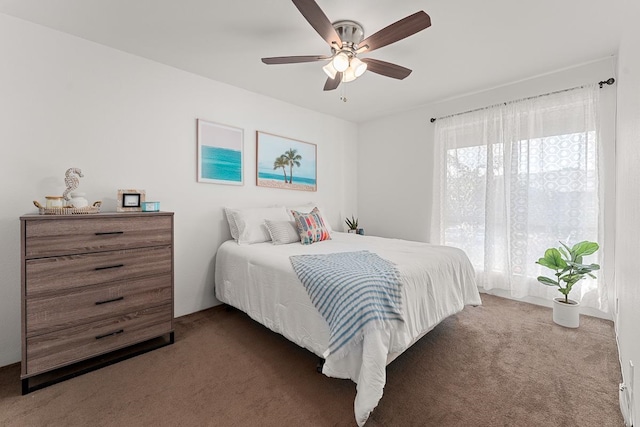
49, 351
73, 236
48, 314
45, 275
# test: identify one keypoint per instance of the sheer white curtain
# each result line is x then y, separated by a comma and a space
514, 180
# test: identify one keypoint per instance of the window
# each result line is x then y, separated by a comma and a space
515, 180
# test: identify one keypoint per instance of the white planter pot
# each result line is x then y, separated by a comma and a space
567, 315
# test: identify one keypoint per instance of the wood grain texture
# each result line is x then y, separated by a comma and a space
386, 68
294, 59
319, 21
65, 346
68, 236
55, 274
122, 261
47, 314
397, 31
23, 292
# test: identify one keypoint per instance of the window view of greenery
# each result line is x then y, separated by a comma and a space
550, 190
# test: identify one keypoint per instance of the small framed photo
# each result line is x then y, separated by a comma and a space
130, 200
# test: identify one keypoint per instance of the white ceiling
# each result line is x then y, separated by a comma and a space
472, 44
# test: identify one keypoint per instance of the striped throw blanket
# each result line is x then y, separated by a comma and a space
355, 292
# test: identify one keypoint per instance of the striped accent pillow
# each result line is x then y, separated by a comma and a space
311, 227
308, 208
282, 232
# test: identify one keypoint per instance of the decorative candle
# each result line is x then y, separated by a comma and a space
54, 202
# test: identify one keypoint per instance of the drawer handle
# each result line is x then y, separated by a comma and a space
119, 331
109, 266
104, 233
109, 300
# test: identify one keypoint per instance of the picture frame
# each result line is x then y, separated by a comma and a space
285, 163
130, 200
220, 153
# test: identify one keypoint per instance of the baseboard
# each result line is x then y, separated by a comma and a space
587, 311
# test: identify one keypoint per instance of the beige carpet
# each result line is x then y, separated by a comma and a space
502, 364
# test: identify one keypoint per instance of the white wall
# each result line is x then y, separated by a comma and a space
628, 200
394, 176
131, 123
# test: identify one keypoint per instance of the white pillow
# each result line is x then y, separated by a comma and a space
307, 208
250, 223
282, 232
233, 227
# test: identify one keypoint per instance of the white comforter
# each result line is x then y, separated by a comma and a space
437, 281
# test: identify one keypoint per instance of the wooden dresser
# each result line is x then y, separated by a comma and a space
93, 284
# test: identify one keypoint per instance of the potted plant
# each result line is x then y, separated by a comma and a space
569, 269
352, 224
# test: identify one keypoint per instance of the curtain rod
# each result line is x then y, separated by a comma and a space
609, 81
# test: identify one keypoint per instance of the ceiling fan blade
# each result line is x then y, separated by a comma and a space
397, 31
333, 83
386, 68
294, 59
319, 21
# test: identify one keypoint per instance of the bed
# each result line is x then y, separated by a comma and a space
436, 282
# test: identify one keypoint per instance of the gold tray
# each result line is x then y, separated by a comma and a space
69, 210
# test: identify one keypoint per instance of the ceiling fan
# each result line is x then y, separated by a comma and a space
346, 41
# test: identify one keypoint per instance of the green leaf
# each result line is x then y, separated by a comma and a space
351, 223
583, 269
563, 252
571, 279
579, 266
547, 281
552, 259
567, 248
568, 266
584, 248
543, 262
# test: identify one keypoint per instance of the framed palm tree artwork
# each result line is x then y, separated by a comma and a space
285, 163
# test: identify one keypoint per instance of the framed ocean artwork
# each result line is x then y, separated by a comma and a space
285, 163
220, 153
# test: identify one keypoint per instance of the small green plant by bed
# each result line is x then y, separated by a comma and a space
352, 224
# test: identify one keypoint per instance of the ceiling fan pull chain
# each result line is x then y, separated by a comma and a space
343, 95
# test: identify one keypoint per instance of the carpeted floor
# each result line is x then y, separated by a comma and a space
502, 364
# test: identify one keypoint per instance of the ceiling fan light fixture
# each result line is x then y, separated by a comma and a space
330, 70
349, 75
346, 40
358, 67
340, 62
